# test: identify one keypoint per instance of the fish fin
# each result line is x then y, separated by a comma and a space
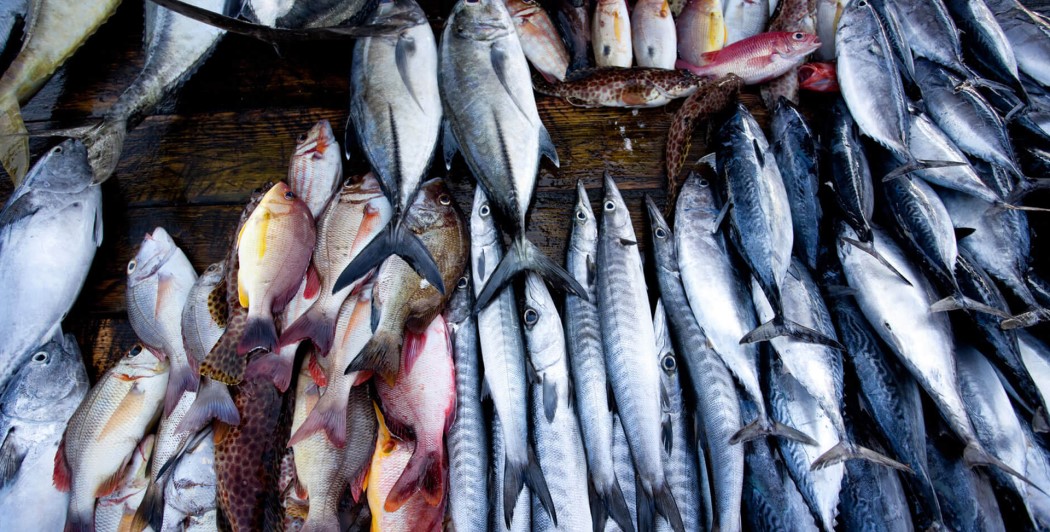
260, 334
165, 289
627, 242
667, 507
780, 326
395, 239
975, 456
61, 477
843, 451
449, 146
222, 363
916, 165
869, 248
14, 140
274, 366
213, 402
114, 481
328, 415
1026, 319
835, 290
550, 398
667, 433
80, 522
1039, 421
721, 218
498, 57
382, 355
525, 256
425, 472
547, 147
130, 405
758, 153
538, 485
961, 302
644, 507
10, 460
1023, 208
181, 379
313, 282
313, 325
403, 52
412, 347
760, 428
963, 232
150, 512
616, 505
598, 514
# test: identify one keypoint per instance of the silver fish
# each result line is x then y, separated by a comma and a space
827, 20
190, 491
744, 18
316, 168
1029, 34
49, 230
927, 141
1039, 472
522, 520
931, 32
624, 470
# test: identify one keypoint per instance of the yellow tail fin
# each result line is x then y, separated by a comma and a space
14, 140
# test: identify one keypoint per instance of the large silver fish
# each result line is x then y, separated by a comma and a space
1029, 33
190, 491
931, 32
49, 230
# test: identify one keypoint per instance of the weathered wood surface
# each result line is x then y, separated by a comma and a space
190, 166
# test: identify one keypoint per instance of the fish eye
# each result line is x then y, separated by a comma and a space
660, 233
862, 3
462, 282
301, 139
531, 317
289, 195
484, 210
40, 356
445, 199
131, 265
668, 363
581, 216
799, 36
609, 205
704, 183
134, 352
57, 150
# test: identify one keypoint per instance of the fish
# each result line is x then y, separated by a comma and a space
1036, 357
986, 43
13, 15
1039, 471
1027, 33
873, 498
388, 463
115, 511
701, 29
624, 466
355, 219
362, 429
401, 298
273, 252
572, 18
54, 30
34, 410
541, 43
479, 50
160, 278
916, 213
791, 15
795, 150
611, 34
827, 18
316, 169
718, 415
102, 434
653, 34
931, 33
771, 500
190, 493
818, 77
928, 141
587, 363
308, 14
503, 357
680, 464
623, 87
420, 405
709, 99
965, 494
629, 342
744, 18
555, 431
756, 59
467, 438
889, 17
50, 227
522, 509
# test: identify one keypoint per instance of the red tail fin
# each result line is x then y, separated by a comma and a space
315, 326
61, 478
424, 472
329, 415
274, 366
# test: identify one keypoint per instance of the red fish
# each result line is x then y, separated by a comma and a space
818, 77
757, 59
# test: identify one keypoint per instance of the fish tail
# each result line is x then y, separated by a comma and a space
382, 355
644, 506
222, 363
538, 485
80, 521
598, 513
315, 326
105, 143
14, 140
425, 472
180, 380
961, 302
275, 366
616, 505
213, 402
395, 239
326, 522
916, 165
259, 334
975, 456
843, 451
524, 256
329, 416
667, 507
151, 510
760, 428
869, 248
781, 326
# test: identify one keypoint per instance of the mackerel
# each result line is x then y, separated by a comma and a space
795, 150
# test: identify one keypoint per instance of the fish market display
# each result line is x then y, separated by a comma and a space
116, 510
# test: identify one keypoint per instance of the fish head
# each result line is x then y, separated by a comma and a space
318, 144
156, 250
461, 304
697, 198
795, 46
662, 237
482, 222
818, 77
481, 20
539, 317
280, 200
614, 210
434, 207
140, 363
664, 350
585, 225
398, 13
52, 373
212, 275
64, 169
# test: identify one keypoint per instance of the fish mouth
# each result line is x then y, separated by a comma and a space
482, 30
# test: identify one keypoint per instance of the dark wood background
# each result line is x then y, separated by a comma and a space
190, 166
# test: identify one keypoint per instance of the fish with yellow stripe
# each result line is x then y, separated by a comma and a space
388, 462
611, 34
701, 29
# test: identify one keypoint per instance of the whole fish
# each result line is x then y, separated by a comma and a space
818, 77
931, 33
316, 169
701, 29
795, 150
623, 87
349, 223
744, 18
12, 13
653, 34
611, 34
572, 18
873, 498
555, 433
710, 98
756, 59
388, 464
681, 462
965, 495
420, 405
50, 227
480, 51
791, 15
1027, 33
176, 46
105, 429
160, 278
522, 519
986, 42
190, 493
54, 30
827, 18
630, 346
541, 43
34, 410
401, 298
467, 439
587, 363
116, 510
273, 252
717, 402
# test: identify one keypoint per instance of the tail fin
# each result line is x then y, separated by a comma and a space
517, 475
259, 334
325, 523
14, 140
644, 506
521, 257
916, 165
667, 507
394, 240
275, 366
80, 521
223, 363
975, 456
544, 86
598, 515
313, 325
845, 451
1026, 319
328, 415
213, 402
760, 428
151, 510
869, 248
425, 472
382, 355
961, 302
180, 380
617, 508
781, 326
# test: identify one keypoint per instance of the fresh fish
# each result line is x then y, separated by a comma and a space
391, 458
771, 499
744, 18
611, 34
361, 431
623, 87
986, 42
316, 168
653, 34
931, 33
522, 520
54, 29
1036, 357
756, 59
795, 150
1039, 472
587, 362
818, 77
709, 99
503, 357
480, 51
360, 211
160, 278
293, 501
176, 46
420, 405
718, 413
624, 470
927, 141
50, 227
827, 17
873, 499
1028, 36
104, 431
965, 494
629, 343
701, 29
791, 15
681, 462
115, 511
12, 13
467, 439
401, 297
190, 492
572, 18
916, 212
273, 252
889, 17
541, 43
34, 410
555, 433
